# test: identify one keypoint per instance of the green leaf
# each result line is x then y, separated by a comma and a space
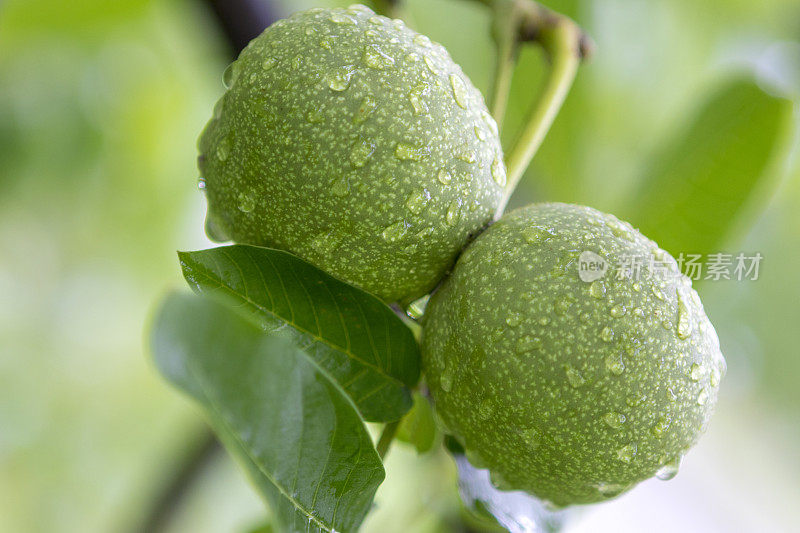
419, 426
364, 346
296, 433
704, 180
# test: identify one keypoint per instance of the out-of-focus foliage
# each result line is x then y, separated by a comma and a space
100, 107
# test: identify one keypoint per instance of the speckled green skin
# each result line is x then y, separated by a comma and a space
355, 143
570, 390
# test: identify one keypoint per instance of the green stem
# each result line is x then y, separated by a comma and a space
562, 41
505, 34
387, 436
516, 22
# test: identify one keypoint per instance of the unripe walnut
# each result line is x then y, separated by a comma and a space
571, 387
355, 143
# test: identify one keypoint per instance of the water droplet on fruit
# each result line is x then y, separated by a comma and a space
297, 62
201, 183
453, 212
229, 75
669, 470
528, 343
615, 365
513, 319
684, 325
339, 79
407, 152
574, 377
696, 372
662, 425
340, 186
480, 134
618, 311
499, 172
430, 64
715, 376
459, 91
607, 334
361, 152
415, 97
341, 18
246, 202
610, 490
416, 201
269, 63
422, 40
614, 420
466, 155
597, 289
444, 176
326, 43
627, 453
375, 58
368, 105
378, 21
313, 116
702, 398
395, 232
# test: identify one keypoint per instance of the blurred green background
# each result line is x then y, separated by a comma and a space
100, 107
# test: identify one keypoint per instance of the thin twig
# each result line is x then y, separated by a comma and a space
186, 473
387, 436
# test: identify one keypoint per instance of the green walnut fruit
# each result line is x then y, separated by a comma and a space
570, 356
358, 145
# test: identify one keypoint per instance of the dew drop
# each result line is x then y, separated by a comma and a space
201, 183
313, 116
618, 311
415, 97
466, 155
297, 62
246, 202
574, 377
340, 186
422, 40
368, 105
417, 201
269, 63
229, 75
684, 325
395, 232
480, 134
610, 490
536, 234
669, 470
375, 58
627, 453
407, 152
339, 79
375, 19
361, 152
562, 306
607, 334
528, 343
597, 289
696, 372
615, 365
499, 172
341, 18
453, 212
459, 91
444, 176
614, 420
715, 376
702, 398
326, 43
513, 319
662, 424
430, 64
